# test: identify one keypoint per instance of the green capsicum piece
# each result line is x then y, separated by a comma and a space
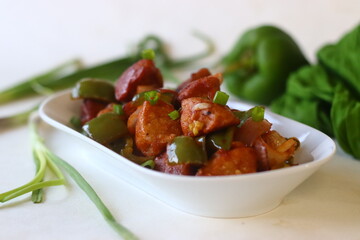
126, 149
221, 139
94, 88
106, 128
186, 149
257, 68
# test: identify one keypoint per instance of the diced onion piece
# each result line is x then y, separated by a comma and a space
201, 106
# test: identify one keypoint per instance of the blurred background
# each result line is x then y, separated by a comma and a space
39, 34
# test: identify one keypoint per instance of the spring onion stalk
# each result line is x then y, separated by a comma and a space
163, 60
165, 63
82, 183
16, 119
43, 162
46, 160
56, 162
37, 195
39, 85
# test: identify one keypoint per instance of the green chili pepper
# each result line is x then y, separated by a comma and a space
93, 88
185, 149
256, 69
106, 128
221, 139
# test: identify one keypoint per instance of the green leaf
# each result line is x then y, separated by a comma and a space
339, 113
353, 129
308, 111
343, 58
311, 82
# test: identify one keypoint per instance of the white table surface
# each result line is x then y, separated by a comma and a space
37, 35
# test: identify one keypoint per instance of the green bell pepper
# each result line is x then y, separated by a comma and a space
221, 139
256, 69
93, 88
186, 149
106, 128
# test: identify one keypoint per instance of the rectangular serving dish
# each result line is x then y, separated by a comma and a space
221, 196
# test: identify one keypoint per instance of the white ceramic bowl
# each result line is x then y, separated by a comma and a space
223, 196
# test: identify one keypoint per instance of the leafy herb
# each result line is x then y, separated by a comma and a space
326, 95
17, 119
308, 98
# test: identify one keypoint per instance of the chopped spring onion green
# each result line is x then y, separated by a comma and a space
152, 97
174, 115
148, 54
221, 98
149, 164
118, 109
257, 113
